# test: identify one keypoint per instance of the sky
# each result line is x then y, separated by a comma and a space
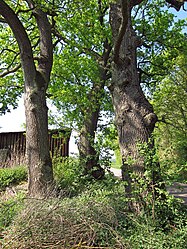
14, 120
182, 14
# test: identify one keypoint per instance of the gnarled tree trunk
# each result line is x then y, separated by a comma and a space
134, 115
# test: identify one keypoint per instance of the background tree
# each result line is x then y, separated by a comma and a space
169, 101
78, 86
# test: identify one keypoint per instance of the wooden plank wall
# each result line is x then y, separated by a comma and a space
14, 144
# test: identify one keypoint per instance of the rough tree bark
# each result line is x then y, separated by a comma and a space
134, 116
35, 85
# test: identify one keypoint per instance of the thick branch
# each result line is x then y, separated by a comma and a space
22, 39
122, 29
46, 46
177, 4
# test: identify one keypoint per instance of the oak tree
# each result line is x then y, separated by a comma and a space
134, 115
36, 80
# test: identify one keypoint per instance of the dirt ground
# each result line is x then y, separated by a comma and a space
179, 190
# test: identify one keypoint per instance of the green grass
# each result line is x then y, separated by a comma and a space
9, 209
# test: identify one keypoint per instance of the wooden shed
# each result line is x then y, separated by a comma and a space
13, 145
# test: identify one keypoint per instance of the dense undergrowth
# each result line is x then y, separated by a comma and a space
96, 217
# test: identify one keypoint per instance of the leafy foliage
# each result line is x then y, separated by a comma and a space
156, 26
78, 60
68, 175
170, 104
10, 176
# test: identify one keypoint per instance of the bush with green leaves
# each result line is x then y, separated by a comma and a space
68, 174
144, 236
10, 176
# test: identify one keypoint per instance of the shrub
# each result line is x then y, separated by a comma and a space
9, 176
144, 236
68, 174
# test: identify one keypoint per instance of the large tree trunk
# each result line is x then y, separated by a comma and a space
135, 119
37, 144
35, 85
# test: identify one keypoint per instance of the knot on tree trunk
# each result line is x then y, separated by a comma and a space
150, 120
